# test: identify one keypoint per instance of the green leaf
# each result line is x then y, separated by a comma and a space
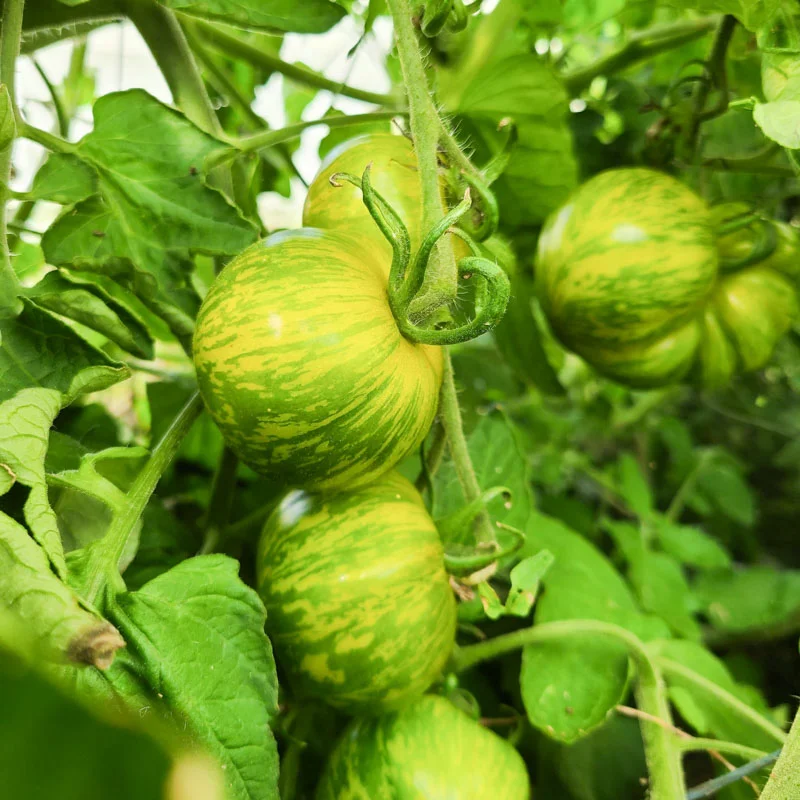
663, 590
722, 484
749, 599
199, 632
25, 422
633, 486
27, 260
64, 178
753, 14
542, 170
498, 460
780, 121
569, 688
88, 756
88, 304
691, 546
37, 349
525, 579
704, 712
606, 765
154, 208
85, 498
312, 16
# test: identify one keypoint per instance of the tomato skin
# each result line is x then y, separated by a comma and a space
628, 272
301, 365
359, 606
394, 175
430, 750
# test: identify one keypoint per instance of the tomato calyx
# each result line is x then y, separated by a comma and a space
407, 272
763, 245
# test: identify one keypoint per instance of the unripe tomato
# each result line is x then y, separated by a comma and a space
427, 751
394, 175
623, 271
630, 277
359, 606
301, 364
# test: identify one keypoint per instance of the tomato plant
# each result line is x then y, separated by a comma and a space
398, 399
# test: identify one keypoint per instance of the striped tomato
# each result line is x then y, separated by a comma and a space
394, 175
301, 365
628, 275
427, 751
359, 606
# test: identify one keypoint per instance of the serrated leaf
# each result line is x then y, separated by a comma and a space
633, 486
691, 546
749, 599
37, 349
498, 460
199, 632
153, 208
85, 499
25, 422
88, 304
780, 121
49, 611
542, 170
64, 178
663, 590
312, 16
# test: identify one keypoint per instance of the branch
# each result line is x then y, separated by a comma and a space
10, 35
102, 563
239, 49
640, 47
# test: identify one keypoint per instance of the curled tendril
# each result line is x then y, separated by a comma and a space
763, 245
407, 274
459, 17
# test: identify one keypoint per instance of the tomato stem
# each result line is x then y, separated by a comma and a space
660, 742
639, 47
441, 276
223, 489
234, 46
450, 414
10, 36
102, 564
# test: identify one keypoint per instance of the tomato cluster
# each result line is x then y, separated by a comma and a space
301, 364
651, 286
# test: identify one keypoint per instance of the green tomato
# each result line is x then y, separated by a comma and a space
427, 751
301, 364
394, 176
629, 276
359, 606
623, 270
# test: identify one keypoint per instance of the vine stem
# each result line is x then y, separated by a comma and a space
670, 667
450, 414
716, 68
264, 139
166, 41
102, 565
639, 47
238, 48
9, 50
784, 783
660, 743
694, 744
441, 277
687, 487
219, 507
